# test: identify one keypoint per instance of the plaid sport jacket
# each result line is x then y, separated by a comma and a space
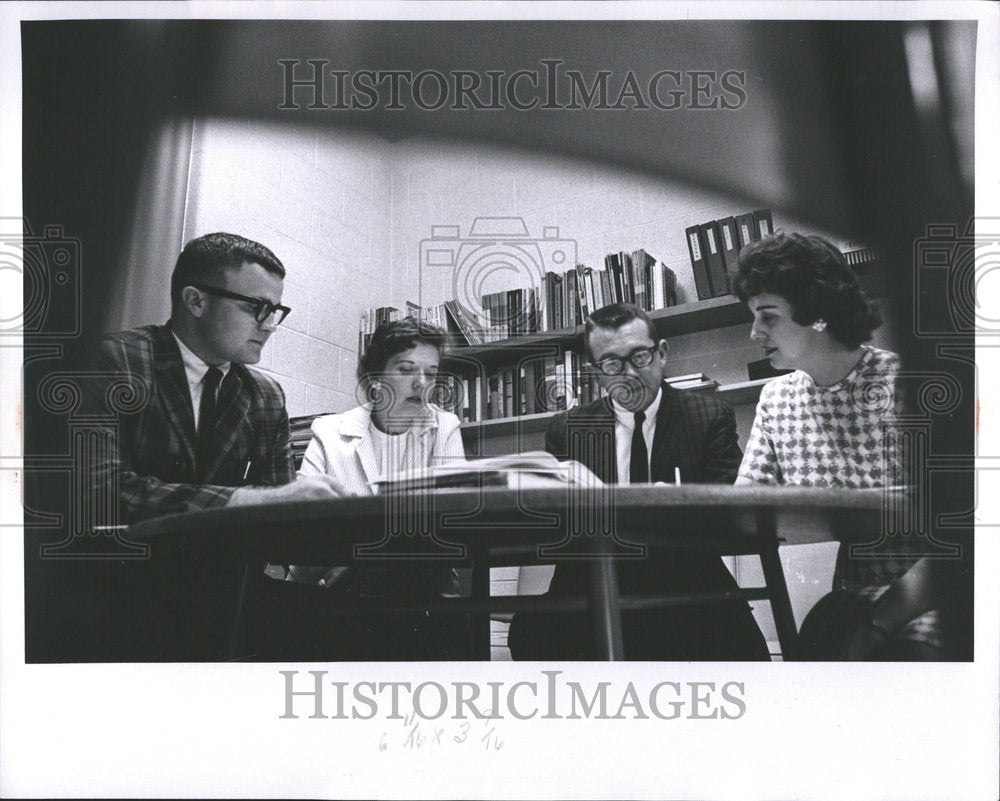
149, 455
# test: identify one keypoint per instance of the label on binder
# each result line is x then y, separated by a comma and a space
711, 240
695, 246
728, 236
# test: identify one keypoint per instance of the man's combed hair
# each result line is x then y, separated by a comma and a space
205, 258
615, 316
812, 275
395, 337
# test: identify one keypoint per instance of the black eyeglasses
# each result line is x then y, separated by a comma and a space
639, 358
262, 308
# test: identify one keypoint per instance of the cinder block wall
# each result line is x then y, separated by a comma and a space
321, 202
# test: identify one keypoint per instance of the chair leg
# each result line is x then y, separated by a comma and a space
781, 605
605, 610
481, 646
241, 616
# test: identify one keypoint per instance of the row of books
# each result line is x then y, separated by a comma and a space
564, 300
637, 278
512, 313
861, 256
372, 319
449, 316
714, 248
547, 384
539, 385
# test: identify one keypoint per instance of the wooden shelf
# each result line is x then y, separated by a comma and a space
508, 352
505, 426
743, 393
687, 318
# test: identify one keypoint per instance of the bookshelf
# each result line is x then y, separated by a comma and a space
532, 375
510, 426
686, 318
744, 393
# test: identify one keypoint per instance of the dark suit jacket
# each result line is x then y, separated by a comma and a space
152, 441
696, 433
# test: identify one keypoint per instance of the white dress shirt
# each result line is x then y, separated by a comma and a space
195, 369
624, 426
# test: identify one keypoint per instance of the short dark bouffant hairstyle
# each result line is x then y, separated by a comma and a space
207, 256
615, 316
395, 337
812, 275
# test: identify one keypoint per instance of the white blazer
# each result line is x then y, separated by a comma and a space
342, 447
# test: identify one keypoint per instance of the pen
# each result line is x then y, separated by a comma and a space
247, 471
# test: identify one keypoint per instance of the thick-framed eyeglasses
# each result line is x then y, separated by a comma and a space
262, 308
639, 358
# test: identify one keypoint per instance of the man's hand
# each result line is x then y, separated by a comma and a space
307, 488
579, 474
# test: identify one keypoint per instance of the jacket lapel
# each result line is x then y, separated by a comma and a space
354, 426
172, 388
594, 420
231, 414
668, 440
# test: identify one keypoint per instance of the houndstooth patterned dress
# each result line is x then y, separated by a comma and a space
838, 436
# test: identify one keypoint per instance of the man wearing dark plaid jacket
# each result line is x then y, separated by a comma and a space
207, 430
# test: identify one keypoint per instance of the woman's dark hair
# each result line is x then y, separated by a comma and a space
812, 275
395, 337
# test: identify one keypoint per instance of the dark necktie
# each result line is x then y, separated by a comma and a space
638, 468
206, 419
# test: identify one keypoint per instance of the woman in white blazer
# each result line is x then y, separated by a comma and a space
395, 429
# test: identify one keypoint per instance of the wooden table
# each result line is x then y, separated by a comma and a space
489, 527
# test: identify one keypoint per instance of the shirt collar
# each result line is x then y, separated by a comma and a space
356, 422
627, 418
194, 367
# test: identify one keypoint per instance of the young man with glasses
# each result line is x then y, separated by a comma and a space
655, 431
209, 430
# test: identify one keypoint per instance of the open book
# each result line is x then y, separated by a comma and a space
524, 470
